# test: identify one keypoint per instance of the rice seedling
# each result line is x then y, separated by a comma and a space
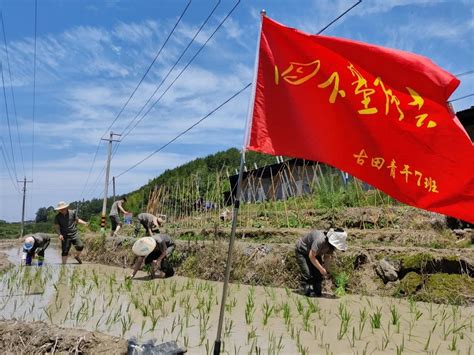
299, 306
400, 348
286, 313
375, 318
427, 343
306, 319
352, 338
229, 325
345, 318
251, 334
249, 308
267, 312
341, 280
362, 320
395, 314
313, 306
230, 305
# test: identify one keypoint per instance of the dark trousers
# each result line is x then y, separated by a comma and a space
309, 274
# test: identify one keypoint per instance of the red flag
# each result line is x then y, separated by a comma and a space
379, 114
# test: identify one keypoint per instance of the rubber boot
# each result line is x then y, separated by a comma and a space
28, 259
40, 260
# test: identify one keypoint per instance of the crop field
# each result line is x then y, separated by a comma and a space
258, 320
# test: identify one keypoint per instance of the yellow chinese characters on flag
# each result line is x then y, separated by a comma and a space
377, 113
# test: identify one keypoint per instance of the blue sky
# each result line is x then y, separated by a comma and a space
92, 54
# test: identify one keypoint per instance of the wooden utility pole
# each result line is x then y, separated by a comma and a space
22, 228
107, 171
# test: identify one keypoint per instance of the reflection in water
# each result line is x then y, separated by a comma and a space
257, 319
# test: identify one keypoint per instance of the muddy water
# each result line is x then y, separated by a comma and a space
258, 319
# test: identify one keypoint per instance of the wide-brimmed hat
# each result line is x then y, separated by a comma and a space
144, 246
29, 243
61, 205
338, 239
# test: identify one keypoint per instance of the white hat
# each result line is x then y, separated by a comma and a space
61, 205
144, 246
337, 239
29, 243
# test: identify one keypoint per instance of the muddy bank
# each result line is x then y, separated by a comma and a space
4, 263
445, 275
39, 338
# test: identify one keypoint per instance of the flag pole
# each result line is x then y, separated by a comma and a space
217, 343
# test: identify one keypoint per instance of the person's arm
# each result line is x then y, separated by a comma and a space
121, 208
150, 233
137, 266
80, 221
163, 253
58, 230
316, 263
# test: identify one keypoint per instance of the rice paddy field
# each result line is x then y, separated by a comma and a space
258, 320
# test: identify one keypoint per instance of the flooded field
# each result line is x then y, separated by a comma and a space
257, 320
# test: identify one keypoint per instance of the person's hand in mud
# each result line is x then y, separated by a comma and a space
323, 271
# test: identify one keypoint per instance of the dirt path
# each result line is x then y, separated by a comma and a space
39, 338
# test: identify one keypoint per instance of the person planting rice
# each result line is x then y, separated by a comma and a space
155, 251
35, 244
150, 222
312, 252
65, 224
114, 216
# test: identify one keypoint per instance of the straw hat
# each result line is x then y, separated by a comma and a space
29, 243
337, 239
144, 246
61, 205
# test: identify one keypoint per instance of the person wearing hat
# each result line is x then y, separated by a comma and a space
35, 244
311, 252
155, 251
114, 215
65, 224
150, 222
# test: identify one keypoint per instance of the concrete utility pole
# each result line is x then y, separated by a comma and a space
23, 208
107, 170
113, 187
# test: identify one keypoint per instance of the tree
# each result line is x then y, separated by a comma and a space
42, 215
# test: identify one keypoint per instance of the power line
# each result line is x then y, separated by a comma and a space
149, 67
184, 68
134, 91
460, 98
171, 69
338, 17
176, 78
34, 93
185, 131
7, 165
12, 92
465, 73
8, 122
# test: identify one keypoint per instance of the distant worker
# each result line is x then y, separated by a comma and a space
225, 215
65, 224
155, 251
312, 252
114, 216
150, 222
35, 244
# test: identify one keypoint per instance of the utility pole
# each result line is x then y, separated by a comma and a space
107, 170
113, 187
23, 207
